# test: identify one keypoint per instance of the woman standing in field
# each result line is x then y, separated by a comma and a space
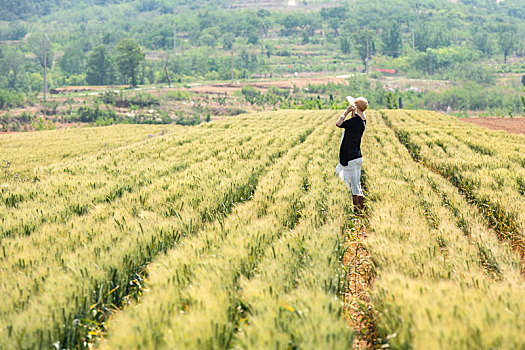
350, 157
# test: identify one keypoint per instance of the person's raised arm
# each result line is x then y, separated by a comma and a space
343, 116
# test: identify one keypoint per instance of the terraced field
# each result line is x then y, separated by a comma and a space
238, 234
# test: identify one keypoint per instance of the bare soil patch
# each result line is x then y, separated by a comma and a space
399, 83
511, 125
300, 82
359, 312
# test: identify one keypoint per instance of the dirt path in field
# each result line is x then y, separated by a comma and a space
304, 79
359, 278
511, 125
287, 84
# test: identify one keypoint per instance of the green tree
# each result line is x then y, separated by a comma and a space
248, 61
209, 36
506, 40
483, 42
39, 43
269, 49
290, 23
250, 94
334, 24
12, 67
16, 31
344, 44
365, 44
129, 57
72, 61
264, 17
391, 100
431, 35
157, 36
392, 40
228, 42
333, 16
252, 35
99, 67
295, 22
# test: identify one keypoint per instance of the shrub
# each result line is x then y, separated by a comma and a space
279, 92
144, 99
178, 95
251, 94
41, 124
187, 119
11, 99
88, 114
49, 108
140, 99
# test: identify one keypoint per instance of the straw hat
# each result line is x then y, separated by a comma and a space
362, 103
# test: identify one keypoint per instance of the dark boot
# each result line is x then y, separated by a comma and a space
359, 205
362, 204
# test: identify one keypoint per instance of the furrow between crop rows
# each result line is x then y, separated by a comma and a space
359, 275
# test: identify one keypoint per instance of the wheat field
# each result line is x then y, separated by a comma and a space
233, 235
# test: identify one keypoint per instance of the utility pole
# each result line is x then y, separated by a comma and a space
366, 58
262, 43
45, 65
175, 13
413, 36
166, 69
232, 64
263, 30
174, 40
414, 27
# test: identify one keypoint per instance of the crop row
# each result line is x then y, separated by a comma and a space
71, 274
22, 254
264, 277
73, 188
28, 151
493, 162
483, 165
443, 280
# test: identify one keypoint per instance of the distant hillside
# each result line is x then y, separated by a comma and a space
25, 9
185, 41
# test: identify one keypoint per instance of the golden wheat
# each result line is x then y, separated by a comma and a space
230, 235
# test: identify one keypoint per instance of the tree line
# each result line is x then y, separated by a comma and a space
104, 42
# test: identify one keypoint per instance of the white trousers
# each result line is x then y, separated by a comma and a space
351, 175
